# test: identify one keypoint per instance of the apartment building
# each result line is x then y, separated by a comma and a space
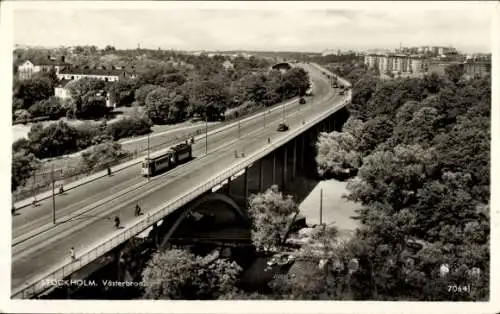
477, 66
397, 63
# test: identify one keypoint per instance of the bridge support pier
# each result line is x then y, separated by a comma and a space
261, 175
294, 165
302, 148
229, 186
285, 160
274, 167
245, 184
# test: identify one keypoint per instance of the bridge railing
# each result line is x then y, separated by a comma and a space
38, 285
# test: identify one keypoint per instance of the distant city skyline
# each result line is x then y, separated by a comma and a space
308, 30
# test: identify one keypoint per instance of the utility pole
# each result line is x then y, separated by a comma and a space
321, 206
206, 134
53, 197
148, 158
282, 99
239, 127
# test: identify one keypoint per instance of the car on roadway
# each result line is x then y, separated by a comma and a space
302, 101
282, 127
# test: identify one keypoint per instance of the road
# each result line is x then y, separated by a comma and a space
85, 215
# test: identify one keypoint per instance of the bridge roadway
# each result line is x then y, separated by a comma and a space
83, 223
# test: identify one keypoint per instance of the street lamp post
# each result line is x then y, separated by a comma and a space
148, 158
53, 197
239, 127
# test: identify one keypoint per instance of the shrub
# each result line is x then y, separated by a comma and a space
21, 115
87, 131
21, 144
56, 139
51, 108
101, 156
129, 126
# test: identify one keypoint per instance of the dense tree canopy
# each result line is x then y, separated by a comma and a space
180, 275
272, 215
23, 165
53, 140
425, 178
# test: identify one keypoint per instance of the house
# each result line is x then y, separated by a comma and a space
227, 65
60, 90
109, 75
29, 67
69, 74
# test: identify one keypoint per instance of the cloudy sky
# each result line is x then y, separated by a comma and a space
309, 28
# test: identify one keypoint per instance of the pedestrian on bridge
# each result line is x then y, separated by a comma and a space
117, 222
72, 254
138, 210
109, 171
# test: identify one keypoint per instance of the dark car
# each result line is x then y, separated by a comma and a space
282, 127
302, 101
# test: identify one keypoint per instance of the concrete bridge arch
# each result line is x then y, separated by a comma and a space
207, 198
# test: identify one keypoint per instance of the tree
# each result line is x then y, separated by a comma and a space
92, 106
122, 92
393, 176
336, 153
82, 87
454, 72
295, 82
24, 164
88, 98
28, 92
102, 156
142, 92
158, 105
129, 126
51, 108
420, 129
171, 79
354, 127
466, 148
180, 275
209, 98
375, 132
53, 140
272, 215
109, 48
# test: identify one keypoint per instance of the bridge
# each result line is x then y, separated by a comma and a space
248, 156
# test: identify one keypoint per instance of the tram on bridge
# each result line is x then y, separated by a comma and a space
165, 160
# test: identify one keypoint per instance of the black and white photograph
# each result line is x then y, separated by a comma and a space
265, 151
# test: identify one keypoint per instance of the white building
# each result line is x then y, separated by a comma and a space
28, 67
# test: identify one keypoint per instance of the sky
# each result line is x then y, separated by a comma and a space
283, 27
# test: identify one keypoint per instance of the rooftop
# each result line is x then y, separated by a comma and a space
94, 71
